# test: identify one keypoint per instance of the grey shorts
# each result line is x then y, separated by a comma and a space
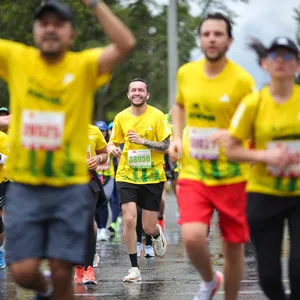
47, 222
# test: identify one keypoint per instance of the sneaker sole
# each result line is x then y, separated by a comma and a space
2, 267
132, 280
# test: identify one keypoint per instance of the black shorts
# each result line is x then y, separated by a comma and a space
146, 196
170, 168
3, 188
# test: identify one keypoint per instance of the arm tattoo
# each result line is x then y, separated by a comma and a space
158, 146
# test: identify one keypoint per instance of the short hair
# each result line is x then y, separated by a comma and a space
137, 80
217, 16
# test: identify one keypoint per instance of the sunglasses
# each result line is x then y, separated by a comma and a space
285, 56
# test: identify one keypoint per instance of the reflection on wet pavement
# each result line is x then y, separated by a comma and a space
170, 278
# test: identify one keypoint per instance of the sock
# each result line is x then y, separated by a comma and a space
212, 283
148, 240
156, 236
133, 260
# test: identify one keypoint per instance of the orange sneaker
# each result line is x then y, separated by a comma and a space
89, 276
161, 223
78, 274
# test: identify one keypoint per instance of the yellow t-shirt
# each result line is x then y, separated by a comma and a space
270, 125
51, 107
138, 164
209, 105
107, 169
3, 150
96, 141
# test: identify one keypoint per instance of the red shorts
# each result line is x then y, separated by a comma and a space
197, 202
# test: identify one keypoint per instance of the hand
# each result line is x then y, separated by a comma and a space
93, 162
175, 149
114, 151
135, 138
278, 157
220, 136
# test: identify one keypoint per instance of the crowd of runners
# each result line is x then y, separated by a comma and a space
225, 146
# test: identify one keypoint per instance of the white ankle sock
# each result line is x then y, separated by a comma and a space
212, 283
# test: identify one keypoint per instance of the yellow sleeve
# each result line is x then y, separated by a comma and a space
242, 121
101, 142
179, 95
117, 135
6, 49
163, 128
249, 85
3, 143
92, 67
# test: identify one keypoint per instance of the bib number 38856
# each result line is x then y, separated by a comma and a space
42, 130
139, 158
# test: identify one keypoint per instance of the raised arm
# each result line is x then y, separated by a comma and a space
122, 39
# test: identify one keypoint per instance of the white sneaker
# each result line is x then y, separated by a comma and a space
102, 235
134, 275
160, 244
96, 261
139, 248
207, 292
149, 251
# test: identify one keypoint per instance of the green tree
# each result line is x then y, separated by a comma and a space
297, 17
148, 21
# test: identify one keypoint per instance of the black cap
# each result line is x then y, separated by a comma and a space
63, 10
5, 110
284, 42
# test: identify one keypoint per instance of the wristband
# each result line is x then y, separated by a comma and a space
100, 159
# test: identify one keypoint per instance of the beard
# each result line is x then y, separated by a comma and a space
217, 57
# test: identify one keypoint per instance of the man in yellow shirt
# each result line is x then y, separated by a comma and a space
51, 91
140, 176
4, 181
96, 155
209, 91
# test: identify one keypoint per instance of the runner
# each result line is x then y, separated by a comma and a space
209, 91
96, 155
4, 181
106, 171
271, 118
116, 220
140, 177
51, 105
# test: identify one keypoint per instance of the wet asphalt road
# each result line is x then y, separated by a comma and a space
170, 278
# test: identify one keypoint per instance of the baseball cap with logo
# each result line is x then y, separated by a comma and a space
63, 10
284, 42
101, 125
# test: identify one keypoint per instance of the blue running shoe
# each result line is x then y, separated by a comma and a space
2, 259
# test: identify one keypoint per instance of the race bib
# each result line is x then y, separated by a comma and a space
140, 158
200, 146
42, 130
292, 170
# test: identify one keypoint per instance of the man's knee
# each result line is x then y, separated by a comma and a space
60, 271
193, 235
24, 273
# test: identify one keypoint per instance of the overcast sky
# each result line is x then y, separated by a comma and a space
264, 19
